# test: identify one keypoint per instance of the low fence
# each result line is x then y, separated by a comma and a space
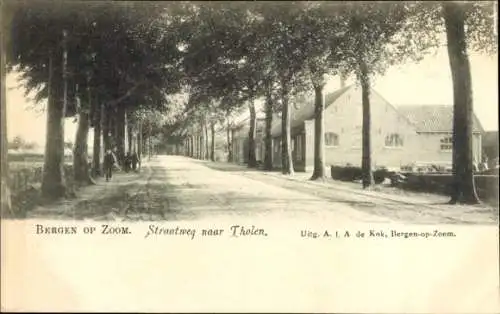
28, 157
25, 182
439, 183
486, 185
350, 173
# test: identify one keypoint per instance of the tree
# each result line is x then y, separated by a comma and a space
378, 35
479, 18
268, 141
98, 121
283, 43
53, 181
217, 63
468, 26
39, 37
81, 168
323, 46
6, 206
110, 72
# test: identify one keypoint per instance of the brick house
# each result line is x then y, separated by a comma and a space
399, 135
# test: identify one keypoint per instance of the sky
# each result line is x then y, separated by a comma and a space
426, 82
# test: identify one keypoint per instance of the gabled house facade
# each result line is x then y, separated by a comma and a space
434, 126
400, 136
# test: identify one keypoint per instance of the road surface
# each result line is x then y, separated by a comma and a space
180, 188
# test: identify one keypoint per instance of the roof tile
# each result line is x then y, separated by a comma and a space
433, 118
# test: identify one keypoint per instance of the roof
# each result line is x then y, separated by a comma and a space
425, 118
306, 112
433, 118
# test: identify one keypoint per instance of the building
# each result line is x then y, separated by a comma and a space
400, 135
490, 147
240, 140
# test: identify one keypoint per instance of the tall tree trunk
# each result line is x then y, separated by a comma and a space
366, 163
229, 142
129, 132
98, 124
319, 133
106, 128
112, 127
191, 146
212, 149
286, 151
5, 189
195, 145
130, 137
200, 143
53, 180
150, 150
120, 134
80, 157
207, 146
252, 160
464, 190
139, 140
268, 150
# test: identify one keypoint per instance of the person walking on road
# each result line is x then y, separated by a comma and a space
135, 161
109, 162
128, 162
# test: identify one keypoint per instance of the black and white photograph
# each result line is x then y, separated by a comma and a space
265, 156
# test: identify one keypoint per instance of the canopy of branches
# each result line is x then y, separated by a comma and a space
223, 54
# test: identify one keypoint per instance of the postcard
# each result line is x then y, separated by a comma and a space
296, 156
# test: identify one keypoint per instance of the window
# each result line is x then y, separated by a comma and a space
393, 140
446, 144
331, 139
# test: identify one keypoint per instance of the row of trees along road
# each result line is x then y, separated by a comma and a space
115, 66
278, 50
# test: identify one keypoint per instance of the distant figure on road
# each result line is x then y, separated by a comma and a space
109, 162
128, 162
135, 161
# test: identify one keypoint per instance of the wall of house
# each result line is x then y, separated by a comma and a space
429, 148
240, 150
344, 118
298, 141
